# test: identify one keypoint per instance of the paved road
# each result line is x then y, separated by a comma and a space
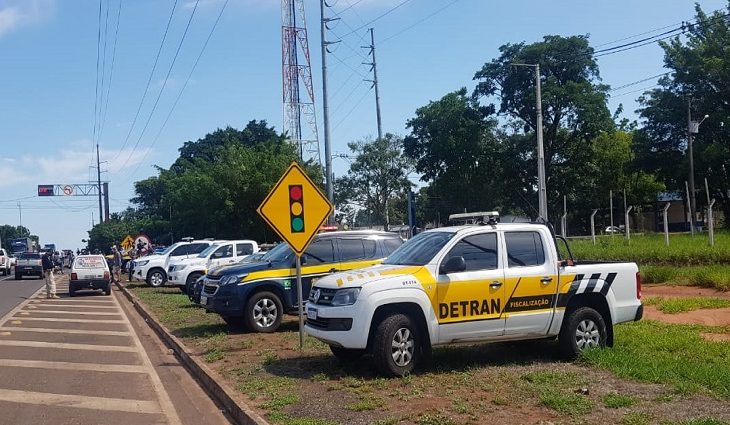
13, 292
91, 360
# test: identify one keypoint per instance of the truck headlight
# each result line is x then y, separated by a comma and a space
346, 296
232, 279
141, 263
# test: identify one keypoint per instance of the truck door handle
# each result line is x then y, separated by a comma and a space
545, 280
495, 284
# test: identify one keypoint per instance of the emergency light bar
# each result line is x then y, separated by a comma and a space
491, 217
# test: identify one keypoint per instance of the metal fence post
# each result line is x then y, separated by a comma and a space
690, 219
564, 218
610, 201
666, 223
711, 223
593, 226
626, 220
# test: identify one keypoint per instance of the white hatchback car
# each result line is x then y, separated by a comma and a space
89, 272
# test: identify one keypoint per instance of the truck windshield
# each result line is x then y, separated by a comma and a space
278, 253
419, 250
208, 250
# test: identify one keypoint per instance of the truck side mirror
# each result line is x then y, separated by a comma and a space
453, 265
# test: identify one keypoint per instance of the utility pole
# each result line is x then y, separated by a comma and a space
20, 214
692, 201
541, 190
98, 182
374, 69
325, 110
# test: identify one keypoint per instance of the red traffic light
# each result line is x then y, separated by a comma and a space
296, 208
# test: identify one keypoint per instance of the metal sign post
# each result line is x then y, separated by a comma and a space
711, 223
300, 301
628, 232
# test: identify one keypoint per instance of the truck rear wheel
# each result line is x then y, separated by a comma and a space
584, 329
396, 345
190, 283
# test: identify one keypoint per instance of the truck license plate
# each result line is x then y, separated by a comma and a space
203, 300
312, 313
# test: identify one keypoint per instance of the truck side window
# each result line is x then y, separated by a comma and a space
351, 249
479, 251
181, 250
244, 249
224, 252
524, 249
321, 251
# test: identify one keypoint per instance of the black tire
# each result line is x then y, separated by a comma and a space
5, 272
346, 354
18, 277
398, 328
190, 283
235, 322
156, 278
71, 293
108, 290
263, 312
583, 328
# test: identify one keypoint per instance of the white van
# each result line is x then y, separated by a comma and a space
184, 272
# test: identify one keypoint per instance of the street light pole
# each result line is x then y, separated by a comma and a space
541, 190
693, 127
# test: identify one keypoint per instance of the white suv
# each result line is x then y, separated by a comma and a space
185, 272
153, 268
5, 262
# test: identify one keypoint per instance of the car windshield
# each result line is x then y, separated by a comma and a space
26, 255
419, 250
208, 250
278, 253
168, 249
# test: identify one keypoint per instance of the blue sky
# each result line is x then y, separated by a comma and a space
48, 58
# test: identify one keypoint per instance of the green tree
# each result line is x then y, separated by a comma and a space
456, 151
573, 108
700, 70
377, 176
8, 233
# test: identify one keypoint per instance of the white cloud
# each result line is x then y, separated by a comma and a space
15, 14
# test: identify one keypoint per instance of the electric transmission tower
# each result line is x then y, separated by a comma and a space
300, 120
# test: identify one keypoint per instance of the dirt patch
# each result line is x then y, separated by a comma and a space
677, 291
716, 337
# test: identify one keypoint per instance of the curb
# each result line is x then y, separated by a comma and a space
211, 383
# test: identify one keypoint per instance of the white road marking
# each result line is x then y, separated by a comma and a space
62, 319
17, 308
64, 331
165, 403
74, 301
82, 313
82, 402
94, 367
67, 346
52, 304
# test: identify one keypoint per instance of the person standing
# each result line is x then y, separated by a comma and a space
47, 262
117, 264
132, 256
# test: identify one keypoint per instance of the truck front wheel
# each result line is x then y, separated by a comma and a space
582, 330
396, 345
156, 278
263, 312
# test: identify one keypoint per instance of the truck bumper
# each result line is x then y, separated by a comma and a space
639, 313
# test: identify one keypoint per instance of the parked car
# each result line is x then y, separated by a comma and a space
5, 262
153, 268
89, 272
184, 272
29, 264
256, 295
471, 284
615, 229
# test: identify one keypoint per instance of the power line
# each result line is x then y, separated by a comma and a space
639, 81
641, 41
149, 80
348, 7
103, 70
111, 70
420, 21
164, 84
353, 109
187, 80
96, 90
635, 91
386, 13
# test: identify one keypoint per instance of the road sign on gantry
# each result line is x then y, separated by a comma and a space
295, 208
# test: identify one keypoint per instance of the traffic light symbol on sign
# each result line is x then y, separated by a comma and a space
296, 208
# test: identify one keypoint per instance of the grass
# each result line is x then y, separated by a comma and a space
649, 249
556, 390
214, 355
699, 421
616, 401
714, 276
681, 305
668, 354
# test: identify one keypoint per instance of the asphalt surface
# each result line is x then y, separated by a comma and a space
89, 360
13, 292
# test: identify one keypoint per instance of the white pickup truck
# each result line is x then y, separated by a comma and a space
494, 282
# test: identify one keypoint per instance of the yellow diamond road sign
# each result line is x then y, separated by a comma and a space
127, 243
295, 208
